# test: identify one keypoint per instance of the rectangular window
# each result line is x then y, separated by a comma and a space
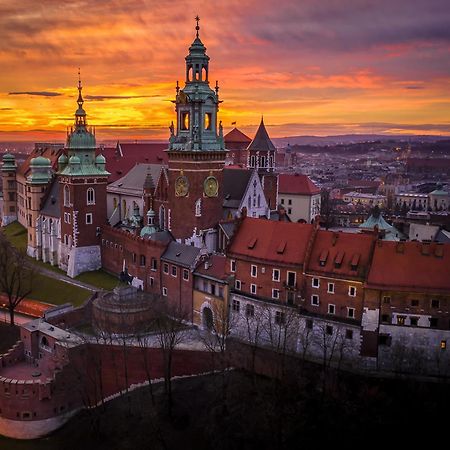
401, 320
315, 282
351, 313
254, 271
289, 202
208, 123
414, 302
237, 285
151, 281
331, 309
315, 300
414, 321
253, 289
433, 322
142, 260
184, 125
282, 201
164, 291
443, 345
233, 265
213, 289
385, 318
280, 318
174, 271
330, 288
276, 275
291, 279
329, 330
166, 268
185, 275
275, 294
134, 257
154, 264
352, 291
384, 339
290, 297
348, 334
386, 299
289, 210
89, 219
236, 305
249, 310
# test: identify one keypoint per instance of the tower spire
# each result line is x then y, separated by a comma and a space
80, 100
197, 27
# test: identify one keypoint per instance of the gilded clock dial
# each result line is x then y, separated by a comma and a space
211, 187
181, 186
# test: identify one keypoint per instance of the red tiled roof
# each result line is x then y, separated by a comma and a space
51, 153
216, 267
283, 242
410, 266
335, 253
146, 153
296, 184
237, 136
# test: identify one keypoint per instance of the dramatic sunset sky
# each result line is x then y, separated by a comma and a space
310, 66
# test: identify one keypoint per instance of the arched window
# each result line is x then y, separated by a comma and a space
252, 161
91, 196
44, 341
124, 209
263, 161
198, 208
66, 195
259, 200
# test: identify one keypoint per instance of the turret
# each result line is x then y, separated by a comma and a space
9, 168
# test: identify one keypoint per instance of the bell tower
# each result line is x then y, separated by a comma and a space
196, 154
83, 179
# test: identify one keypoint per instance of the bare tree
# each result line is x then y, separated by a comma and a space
171, 331
16, 276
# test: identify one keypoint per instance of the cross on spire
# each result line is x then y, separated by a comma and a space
197, 27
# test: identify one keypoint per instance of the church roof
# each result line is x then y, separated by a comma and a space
296, 184
236, 136
378, 221
183, 255
261, 141
235, 182
133, 182
51, 205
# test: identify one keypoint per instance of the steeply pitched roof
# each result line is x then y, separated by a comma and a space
235, 182
281, 242
296, 184
133, 182
50, 151
341, 254
410, 266
51, 205
183, 255
261, 141
236, 136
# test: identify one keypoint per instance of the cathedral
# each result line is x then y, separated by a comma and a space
68, 198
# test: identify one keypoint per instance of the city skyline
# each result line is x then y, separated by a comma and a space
334, 68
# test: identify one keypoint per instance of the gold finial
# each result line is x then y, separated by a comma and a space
197, 27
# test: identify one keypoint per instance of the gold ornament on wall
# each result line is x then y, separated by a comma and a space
211, 186
181, 186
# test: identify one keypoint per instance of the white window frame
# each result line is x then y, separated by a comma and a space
318, 283
164, 268
92, 200
313, 297
184, 272
274, 278
331, 306
237, 284
275, 294
172, 270
89, 218
164, 291
348, 313
233, 265
350, 290
254, 268
253, 289
331, 291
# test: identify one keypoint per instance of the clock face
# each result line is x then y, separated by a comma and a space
181, 186
211, 187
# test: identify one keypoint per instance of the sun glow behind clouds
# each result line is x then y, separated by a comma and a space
311, 68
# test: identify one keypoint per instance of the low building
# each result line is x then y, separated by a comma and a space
365, 198
299, 196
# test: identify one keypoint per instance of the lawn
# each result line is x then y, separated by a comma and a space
17, 235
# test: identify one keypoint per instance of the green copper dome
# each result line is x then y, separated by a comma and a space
7, 157
81, 139
9, 163
40, 161
100, 159
63, 159
73, 160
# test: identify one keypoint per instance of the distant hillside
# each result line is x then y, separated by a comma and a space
354, 138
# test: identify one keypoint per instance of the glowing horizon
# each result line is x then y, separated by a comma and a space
311, 69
